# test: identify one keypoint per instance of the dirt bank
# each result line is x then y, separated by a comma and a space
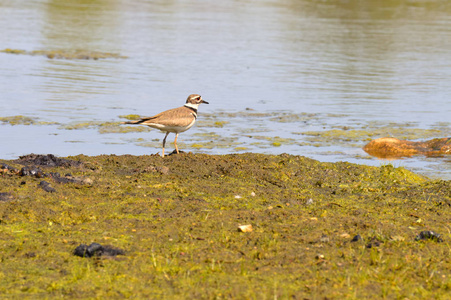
335, 230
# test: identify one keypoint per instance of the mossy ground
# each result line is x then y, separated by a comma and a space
179, 225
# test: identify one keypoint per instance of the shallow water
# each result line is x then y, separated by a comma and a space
300, 66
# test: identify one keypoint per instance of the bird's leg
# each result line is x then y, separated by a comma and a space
175, 143
164, 142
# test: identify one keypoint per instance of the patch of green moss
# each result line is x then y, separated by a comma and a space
220, 124
337, 136
131, 117
197, 146
18, 120
180, 229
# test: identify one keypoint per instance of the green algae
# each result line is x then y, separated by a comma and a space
131, 117
23, 120
18, 120
179, 230
340, 136
65, 54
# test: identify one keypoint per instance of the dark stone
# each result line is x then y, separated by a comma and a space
429, 235
46, 187
95, 249
81, 251
48, 160
30, 171
357, 238
4, 166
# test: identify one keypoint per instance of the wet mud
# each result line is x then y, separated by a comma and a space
238, 226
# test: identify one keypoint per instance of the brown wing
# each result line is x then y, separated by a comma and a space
181, 116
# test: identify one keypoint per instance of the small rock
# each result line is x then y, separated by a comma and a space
357, 238
253, 194
49, 160
26, 171
245, 228
429, 235
95, 249
46, 187
6, 167
319, 256
238, 197
309, 202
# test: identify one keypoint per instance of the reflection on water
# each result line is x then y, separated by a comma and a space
367, 61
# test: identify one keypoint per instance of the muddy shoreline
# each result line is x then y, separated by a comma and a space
318, 229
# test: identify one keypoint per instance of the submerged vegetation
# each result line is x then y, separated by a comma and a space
180, 223
23, 120
65, 54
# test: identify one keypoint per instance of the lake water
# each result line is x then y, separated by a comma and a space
281, 76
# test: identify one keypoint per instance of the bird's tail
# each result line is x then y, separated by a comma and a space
133, 122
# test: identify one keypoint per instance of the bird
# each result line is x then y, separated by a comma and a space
174, 120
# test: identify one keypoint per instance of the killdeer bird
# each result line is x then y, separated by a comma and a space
175, 120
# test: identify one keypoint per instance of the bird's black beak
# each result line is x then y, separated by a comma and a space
203, 101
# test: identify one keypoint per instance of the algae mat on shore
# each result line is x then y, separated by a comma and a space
319, 230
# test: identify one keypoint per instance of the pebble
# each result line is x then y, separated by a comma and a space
357, 238
28, 171
6, 167
46, 187
429, 235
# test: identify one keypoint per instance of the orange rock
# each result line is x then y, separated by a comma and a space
393, 148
